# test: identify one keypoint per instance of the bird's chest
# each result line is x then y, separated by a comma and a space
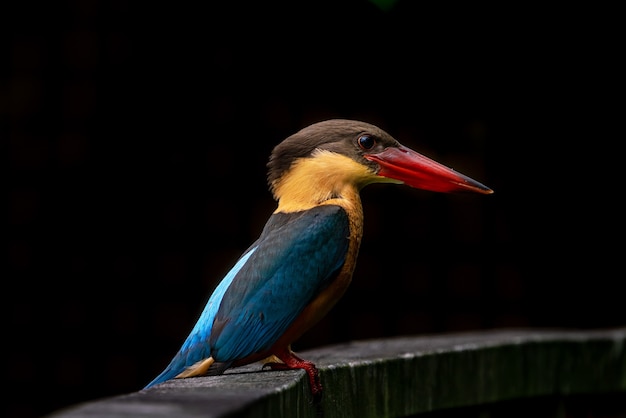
354, 211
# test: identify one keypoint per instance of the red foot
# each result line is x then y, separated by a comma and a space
291, 361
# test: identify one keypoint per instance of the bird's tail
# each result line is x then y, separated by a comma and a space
167, 374
171, 371
178, 369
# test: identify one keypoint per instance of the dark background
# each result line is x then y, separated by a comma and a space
137, 136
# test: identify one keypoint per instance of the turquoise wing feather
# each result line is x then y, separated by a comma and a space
297, 255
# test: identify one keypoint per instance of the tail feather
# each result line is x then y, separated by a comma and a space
178, 365
198, 369
178, 369
167, 374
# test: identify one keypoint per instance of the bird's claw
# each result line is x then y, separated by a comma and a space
308, 367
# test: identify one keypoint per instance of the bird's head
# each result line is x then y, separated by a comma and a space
340, 151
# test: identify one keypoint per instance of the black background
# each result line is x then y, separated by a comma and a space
137, 136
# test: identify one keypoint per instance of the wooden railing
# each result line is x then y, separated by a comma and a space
548, 372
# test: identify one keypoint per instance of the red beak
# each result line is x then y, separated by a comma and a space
404, 164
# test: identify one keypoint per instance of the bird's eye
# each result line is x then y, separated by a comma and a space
366, 142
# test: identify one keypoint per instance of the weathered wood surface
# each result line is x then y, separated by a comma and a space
395, 377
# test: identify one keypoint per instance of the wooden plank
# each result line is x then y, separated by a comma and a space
395, 377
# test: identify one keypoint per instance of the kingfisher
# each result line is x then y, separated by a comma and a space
303, 261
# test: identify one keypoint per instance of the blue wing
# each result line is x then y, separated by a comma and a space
295, 257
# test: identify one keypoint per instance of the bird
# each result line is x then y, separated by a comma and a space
303, 261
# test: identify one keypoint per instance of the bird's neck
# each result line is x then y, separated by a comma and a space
322, 179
